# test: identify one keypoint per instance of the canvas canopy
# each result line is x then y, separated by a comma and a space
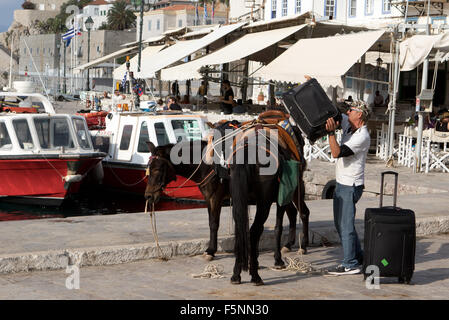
147, 53
414, 50
317, 57
181, 50
239, 49
116, 54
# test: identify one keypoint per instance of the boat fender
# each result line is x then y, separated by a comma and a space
73, 178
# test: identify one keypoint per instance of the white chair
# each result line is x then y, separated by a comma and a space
435, 156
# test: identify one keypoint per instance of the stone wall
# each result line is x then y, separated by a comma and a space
27, 17
315, 181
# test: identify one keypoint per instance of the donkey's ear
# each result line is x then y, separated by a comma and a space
151, 147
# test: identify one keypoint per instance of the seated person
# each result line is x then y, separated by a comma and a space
378, 100
443, 123
160, 105
185, 100
431, 121
349, 100
239, 108
173, 105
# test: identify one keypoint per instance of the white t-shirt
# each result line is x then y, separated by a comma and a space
350, 170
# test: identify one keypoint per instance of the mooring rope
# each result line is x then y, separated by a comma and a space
154, 229
211, 271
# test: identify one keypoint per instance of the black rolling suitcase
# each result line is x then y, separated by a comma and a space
310, 107
390, 238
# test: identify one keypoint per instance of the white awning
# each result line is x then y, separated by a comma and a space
199, 32
149, 40
326, 59
147, 53
181, 50
414, 50
117, 54
172, 31
239, 49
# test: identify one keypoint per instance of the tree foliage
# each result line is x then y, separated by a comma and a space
120, 17
57, 24
28, 5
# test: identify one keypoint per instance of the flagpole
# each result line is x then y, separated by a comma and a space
213, 12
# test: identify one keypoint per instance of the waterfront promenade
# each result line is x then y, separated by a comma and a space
113, 239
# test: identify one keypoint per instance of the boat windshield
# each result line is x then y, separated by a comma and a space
186, 129
82, 134
5, 141
23, 134
53, 133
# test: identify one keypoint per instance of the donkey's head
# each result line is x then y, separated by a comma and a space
161, 172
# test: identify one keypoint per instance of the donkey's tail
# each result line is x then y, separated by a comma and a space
239, 194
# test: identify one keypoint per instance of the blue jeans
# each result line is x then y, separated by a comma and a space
345, 198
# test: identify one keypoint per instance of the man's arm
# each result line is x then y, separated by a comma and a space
331, 126
337, 151
230, 101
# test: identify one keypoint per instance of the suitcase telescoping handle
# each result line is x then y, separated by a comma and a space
395, 187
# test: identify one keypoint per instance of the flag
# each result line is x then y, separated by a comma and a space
205, 11
124, 81
213, 9
69, 35
197, 16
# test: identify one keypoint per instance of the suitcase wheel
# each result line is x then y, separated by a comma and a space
404, 280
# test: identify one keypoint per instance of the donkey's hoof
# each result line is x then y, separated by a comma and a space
284, 250
257, 281
302, 251
208, 257
236, 280
279, 266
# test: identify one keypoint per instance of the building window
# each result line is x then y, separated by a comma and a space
43, 50
96, 11
37, 50
438, 21
149, 25
329, 9
179, 23
161, 134
158, 25
41, 6
284, 8
411, 20
53, 6
386, 6
352, 8
31, 50
298, 6
349, 81
273, 9
369, 7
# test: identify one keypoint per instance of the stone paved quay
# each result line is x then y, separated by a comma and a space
113, 239
172, 279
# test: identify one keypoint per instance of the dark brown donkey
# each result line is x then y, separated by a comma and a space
215, 190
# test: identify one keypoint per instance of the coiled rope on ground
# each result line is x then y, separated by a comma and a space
211, 271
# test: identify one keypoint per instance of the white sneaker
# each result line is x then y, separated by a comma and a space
341, 270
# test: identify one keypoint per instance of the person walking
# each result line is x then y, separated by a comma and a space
351, 156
